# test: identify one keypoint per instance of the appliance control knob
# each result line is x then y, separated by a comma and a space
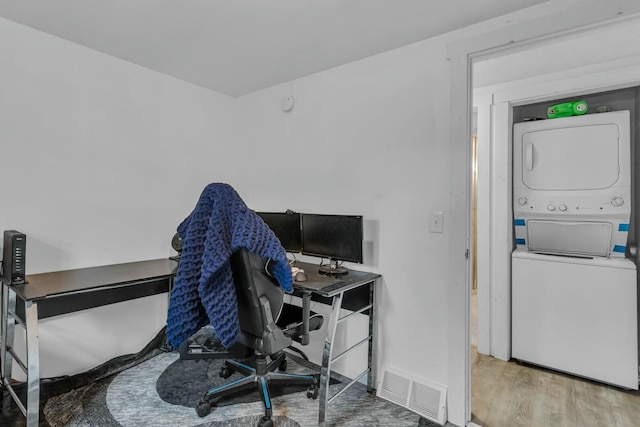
551, 208
563, 208
617, 201
522, 201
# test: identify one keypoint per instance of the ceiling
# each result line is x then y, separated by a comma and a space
236, 47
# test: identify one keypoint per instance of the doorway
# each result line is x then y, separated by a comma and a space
503, 384
541, 26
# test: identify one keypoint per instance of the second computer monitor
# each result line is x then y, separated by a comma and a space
337, 237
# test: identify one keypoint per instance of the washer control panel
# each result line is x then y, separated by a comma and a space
571, 205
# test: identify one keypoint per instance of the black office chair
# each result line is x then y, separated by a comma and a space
260, 303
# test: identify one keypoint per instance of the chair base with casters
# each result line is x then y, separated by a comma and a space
260, 303
261, 377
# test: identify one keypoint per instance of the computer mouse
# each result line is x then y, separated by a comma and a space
301, 276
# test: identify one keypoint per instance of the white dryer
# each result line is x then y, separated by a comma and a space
574, 295
572, 185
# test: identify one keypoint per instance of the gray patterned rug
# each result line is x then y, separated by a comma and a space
164, 390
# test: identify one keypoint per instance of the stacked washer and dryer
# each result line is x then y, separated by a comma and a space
574, 294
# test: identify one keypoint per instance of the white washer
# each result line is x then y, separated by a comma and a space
576, 315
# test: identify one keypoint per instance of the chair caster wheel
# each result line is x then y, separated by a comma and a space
225, 372
312, 392
265, 422
203, 409
283, 366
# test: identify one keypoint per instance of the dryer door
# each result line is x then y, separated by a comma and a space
571, 158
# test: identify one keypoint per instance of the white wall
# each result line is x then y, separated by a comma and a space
110, 150
101, 159
368, 138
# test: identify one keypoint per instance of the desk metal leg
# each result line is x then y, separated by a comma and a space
2, 321
8, 328
31, 408
371, 378
33, 364
3, 328
327, 354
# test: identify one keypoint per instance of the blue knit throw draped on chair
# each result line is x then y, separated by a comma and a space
203, 291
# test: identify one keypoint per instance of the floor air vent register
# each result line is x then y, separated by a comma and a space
417, 395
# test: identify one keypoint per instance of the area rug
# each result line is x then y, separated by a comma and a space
164, 390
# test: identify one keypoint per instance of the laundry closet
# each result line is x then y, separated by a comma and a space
574, 277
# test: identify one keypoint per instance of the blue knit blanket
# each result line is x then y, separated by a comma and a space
203, 291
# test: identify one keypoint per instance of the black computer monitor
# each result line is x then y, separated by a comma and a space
337, 237
286, 227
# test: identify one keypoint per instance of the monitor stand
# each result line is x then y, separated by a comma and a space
332, 269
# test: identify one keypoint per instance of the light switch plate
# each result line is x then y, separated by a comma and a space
436, 222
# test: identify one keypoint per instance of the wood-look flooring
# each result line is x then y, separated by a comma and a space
510, 394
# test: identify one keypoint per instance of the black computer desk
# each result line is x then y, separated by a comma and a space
51, 294
354, 292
